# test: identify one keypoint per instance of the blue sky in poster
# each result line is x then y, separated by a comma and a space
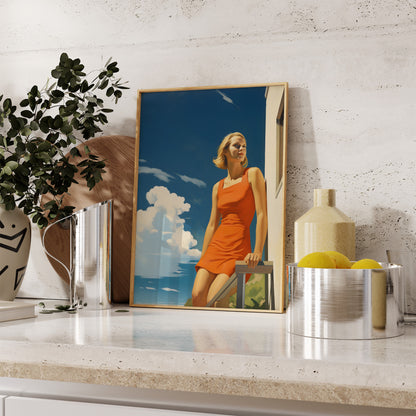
179, 135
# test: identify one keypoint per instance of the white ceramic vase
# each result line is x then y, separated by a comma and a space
15, 236
324, 227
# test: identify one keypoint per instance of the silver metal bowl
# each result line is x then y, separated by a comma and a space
346, 303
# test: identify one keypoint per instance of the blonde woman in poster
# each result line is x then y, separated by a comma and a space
235, 199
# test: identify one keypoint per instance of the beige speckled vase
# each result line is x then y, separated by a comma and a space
324, 227
15, 236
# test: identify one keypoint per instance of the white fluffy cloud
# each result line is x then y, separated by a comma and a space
161, 239
170, 204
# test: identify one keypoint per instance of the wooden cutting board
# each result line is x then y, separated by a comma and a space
117, 184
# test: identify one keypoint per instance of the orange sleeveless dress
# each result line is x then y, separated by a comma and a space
231, 240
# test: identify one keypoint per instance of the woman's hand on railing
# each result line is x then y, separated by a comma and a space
252, 259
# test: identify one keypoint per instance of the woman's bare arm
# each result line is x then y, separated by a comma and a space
258, 185
214, 220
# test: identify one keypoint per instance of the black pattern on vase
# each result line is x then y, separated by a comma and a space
15, 237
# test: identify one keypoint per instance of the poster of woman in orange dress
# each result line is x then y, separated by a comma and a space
235, 199
178, 134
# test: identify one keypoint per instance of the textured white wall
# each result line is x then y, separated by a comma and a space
350, 65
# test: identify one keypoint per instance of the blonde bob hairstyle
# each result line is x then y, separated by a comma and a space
221, 161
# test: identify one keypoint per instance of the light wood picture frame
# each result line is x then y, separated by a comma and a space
177, 136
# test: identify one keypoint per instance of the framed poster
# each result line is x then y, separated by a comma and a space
178, 133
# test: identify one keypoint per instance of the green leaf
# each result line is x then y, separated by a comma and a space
27, 114
43, 156
110, 91
57, 93
63, 58
32, 103
42, 222
102, 118
9, 203
50, 205
112, 65
7, 104
75, 152
34, 125
27, 131
31, 147
84, 86
46, 105
66, 128
58, 122
44, 146
92, 99
44, 126
73, 82
56, 100
6, 170
71, 107
39, 115
20, 148
15, 123
56, 73
103, 85
52, 137
7, 186
34, 91
12, 133
38, 172
12, 164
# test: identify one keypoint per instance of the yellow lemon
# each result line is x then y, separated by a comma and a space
366, 264
341, 261
317, 260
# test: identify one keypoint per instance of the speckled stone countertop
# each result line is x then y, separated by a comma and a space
232, 353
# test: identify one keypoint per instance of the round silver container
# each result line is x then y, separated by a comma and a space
346, 303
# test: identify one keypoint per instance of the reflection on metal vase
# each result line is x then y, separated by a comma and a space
90, 258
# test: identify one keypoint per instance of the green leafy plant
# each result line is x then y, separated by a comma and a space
38, 138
